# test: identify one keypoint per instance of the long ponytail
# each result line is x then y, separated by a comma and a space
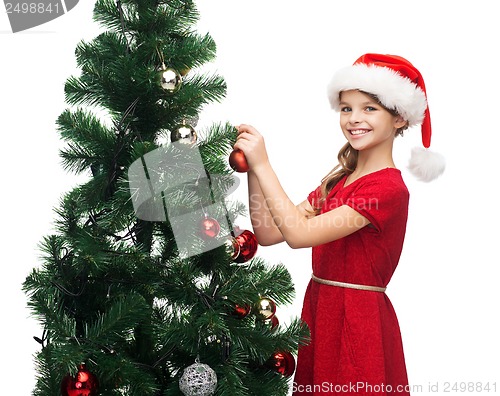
348, 160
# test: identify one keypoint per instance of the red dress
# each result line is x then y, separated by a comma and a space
356, 345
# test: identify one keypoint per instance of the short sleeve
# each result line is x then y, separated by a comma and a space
382, 201
314, 197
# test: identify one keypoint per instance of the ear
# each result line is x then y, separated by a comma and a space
400, 122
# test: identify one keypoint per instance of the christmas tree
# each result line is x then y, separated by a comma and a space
147, 286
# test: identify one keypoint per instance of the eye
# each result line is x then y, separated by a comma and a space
370, 108
345, 109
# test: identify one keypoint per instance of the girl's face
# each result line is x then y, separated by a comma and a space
365, 123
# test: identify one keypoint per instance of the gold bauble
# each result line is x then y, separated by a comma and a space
184, 134
170, 80
264, 309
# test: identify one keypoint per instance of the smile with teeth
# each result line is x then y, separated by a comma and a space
357, 132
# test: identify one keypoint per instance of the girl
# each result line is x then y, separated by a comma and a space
355, 222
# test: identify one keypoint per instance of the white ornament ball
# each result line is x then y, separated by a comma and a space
198, 380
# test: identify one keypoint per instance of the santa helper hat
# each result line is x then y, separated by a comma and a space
399, 86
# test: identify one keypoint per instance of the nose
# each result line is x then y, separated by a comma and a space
354, 117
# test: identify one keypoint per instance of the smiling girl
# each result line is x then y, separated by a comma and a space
355, 222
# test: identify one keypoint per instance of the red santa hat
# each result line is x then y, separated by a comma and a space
399, 86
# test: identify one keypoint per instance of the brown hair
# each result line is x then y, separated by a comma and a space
348, 160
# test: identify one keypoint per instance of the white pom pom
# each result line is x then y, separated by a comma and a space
426, 165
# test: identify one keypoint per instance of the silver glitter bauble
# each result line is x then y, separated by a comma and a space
198, 380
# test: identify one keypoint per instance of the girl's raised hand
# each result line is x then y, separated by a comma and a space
251, 142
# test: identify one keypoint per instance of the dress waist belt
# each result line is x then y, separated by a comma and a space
347, 285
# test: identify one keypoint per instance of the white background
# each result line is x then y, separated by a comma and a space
277, 58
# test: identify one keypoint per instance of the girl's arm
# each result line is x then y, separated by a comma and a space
296, 228
264, 227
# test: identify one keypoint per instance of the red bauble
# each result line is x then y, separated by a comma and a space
282, 362
238, 162
274, 322
209, 228
242, 311
248, 246
232, 247
84, 383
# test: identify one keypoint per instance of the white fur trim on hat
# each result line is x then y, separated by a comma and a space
426, 165
392, 89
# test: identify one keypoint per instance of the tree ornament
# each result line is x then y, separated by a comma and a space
248, 244
274, 322
170, 79
198, 380
209, 228
232, 247
184, 134
264, 308
242, 311
84, 383
282, 362
238, 161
